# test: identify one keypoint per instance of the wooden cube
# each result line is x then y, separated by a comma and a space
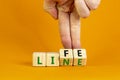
80, 57
39, 59
66, 57
52, 59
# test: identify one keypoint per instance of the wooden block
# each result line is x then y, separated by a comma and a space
52, 59
80, 57
66, 57
39, 59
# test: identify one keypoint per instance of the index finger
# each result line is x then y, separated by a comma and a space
64, 29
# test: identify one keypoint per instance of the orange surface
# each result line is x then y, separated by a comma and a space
25, 28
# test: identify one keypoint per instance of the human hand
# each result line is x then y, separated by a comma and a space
68, 12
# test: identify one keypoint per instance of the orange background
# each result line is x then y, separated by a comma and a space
26, 28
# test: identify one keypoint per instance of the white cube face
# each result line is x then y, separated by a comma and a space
80, 57
66, 57
66, 53
39, 59
79, 53
52, 59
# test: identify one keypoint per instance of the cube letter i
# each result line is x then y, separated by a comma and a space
52, 59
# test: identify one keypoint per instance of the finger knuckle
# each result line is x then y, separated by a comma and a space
45, 8
94, 5
85, 14
64, 9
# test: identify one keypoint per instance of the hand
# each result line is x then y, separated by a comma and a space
68, 12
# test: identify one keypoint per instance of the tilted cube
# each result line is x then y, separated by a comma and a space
66, 57
80, 57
